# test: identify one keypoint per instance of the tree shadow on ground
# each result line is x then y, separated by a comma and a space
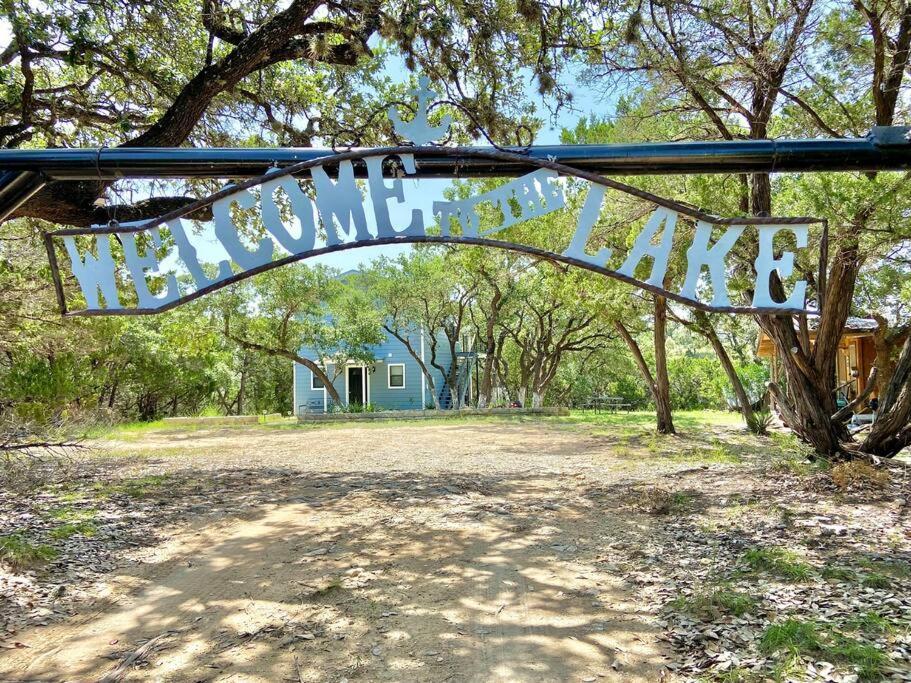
394, 576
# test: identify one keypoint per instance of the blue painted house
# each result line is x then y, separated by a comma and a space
393, 381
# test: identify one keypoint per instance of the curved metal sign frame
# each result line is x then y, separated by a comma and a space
700, 254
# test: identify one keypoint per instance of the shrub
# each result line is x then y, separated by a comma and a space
759, 422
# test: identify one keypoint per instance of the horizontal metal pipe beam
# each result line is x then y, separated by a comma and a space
884, 149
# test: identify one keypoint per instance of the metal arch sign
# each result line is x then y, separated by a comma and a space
338, 208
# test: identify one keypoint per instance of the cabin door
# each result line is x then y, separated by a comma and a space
356, 394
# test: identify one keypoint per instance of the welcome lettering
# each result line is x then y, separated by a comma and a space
337, 206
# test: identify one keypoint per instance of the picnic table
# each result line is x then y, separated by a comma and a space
607, 404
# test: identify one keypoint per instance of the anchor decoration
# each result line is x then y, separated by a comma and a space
418, 130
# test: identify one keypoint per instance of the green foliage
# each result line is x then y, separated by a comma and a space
876, 580
759, 422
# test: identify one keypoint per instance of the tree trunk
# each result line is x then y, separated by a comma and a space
892, 430
885, 340
646, 375
290, 355
662, 381
810, 372
704, 325
113, 395
485, 390
406, 342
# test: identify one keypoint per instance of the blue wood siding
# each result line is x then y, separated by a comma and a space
381, 396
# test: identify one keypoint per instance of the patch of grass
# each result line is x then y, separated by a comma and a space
868, 659
20, 553
685, 420
838, 573
859, 474
791, 635
896, 568
65, 513
711, 605
736, 675
870, 623
783, 563
875, 580
792, 456
69, 529
134, 488
660, 501
808, 639
721, 452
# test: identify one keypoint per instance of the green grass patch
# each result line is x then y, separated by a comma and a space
807, 639
875, 580
69, 529
868, 659
66, 513
791, 456
134, 488
645, 419
895, 568
870, 623
838, 573
780, 562
792, 635
20, 553
713, 604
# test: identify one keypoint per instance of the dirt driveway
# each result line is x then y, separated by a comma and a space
502, 550
407, 553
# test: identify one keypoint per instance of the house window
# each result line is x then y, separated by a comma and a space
396, 375
316, 382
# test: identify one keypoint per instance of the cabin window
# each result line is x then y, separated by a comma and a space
316, 382
396, 375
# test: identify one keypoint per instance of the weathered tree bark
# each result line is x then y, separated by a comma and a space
886, 339
892, 430
286, 36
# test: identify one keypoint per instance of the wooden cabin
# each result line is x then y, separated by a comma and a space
856, 357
